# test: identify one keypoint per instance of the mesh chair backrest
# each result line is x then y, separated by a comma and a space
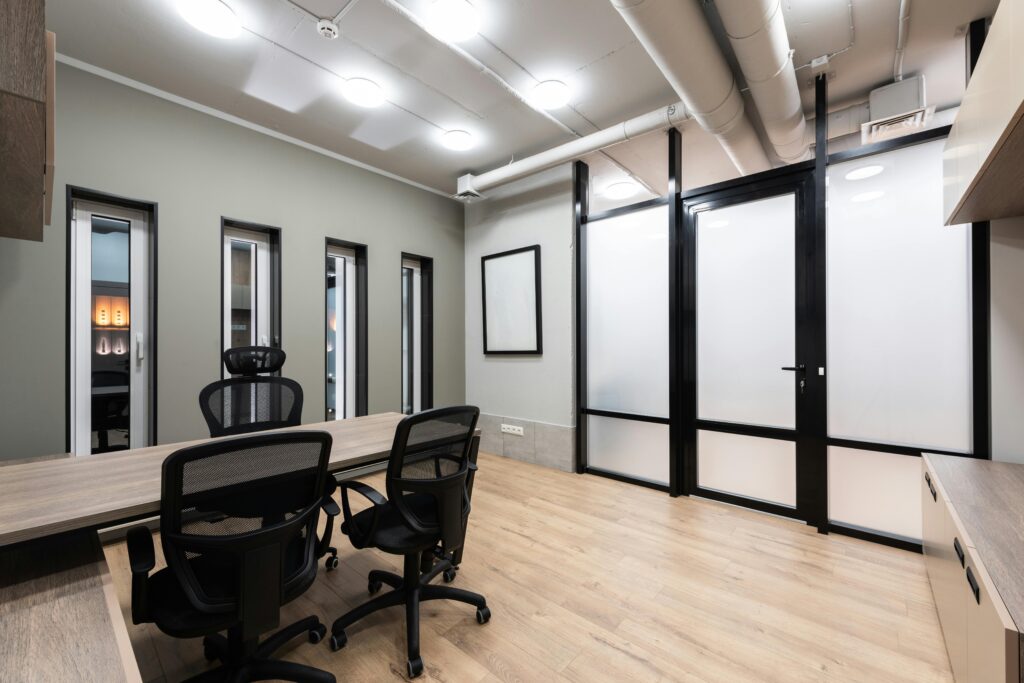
240, 509
430, 455
253, 360
242, 405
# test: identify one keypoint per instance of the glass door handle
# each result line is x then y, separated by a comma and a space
140, 349
798, 368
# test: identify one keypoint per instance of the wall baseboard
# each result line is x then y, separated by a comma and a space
541, 443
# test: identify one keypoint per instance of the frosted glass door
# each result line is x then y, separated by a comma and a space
746, 355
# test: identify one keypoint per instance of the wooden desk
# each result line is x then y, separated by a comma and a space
44, 498
59, 615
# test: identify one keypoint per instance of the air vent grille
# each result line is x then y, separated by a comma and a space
896, 126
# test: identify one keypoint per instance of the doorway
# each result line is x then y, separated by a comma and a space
753, 376
110, 328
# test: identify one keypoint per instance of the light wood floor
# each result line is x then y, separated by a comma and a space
590, 579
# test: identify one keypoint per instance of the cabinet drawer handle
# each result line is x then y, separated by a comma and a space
959, 551
975, 588
931, 488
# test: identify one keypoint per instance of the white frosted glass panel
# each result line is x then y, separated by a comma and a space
627, 313
635, 449
746, 326
747, 466
875, 491
899, 304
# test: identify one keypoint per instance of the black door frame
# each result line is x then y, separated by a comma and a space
810, 427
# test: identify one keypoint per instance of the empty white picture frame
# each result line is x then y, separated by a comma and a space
510, 284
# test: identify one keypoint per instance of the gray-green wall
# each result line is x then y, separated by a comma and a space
121, 141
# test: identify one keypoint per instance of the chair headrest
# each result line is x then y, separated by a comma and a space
253, 360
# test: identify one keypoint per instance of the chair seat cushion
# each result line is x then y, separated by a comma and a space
392, 535
173, 612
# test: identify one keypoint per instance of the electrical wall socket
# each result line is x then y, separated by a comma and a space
511, 429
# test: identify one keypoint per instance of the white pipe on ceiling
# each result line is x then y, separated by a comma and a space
471, 186
901, 40
757, 31
676, 35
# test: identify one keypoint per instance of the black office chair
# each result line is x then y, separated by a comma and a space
427, 505
254, 401
238, 528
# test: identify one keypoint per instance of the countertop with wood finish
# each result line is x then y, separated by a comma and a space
59, 615
989, 499
53, 496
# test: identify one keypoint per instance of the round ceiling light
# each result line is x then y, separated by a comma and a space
457, 140
864, 172
211, 16
867, 196
452, 20
621, 190
362, 92
550, 94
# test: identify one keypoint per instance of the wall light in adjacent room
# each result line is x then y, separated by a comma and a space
864, 172
362, 92
621, 190
211, 16
452, 20
458, 140
550, 94
867, 196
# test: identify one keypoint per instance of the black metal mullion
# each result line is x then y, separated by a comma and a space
636, 417
676, 476
581, 199
763, 432
631, 208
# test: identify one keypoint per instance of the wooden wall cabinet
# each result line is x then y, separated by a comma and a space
982, 639
982, 169
27, 56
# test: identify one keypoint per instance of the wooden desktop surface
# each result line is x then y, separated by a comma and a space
49, 497
60, 620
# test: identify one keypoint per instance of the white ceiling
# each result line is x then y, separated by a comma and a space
282, 75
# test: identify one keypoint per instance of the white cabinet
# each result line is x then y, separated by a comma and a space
981, 639
982, 173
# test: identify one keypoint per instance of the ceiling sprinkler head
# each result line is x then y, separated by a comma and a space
327, 28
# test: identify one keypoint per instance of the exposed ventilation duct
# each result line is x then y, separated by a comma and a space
676, 35
757, 31
471, 187
901, 40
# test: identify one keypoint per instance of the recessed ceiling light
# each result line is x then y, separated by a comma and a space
458, 140
452, 20
867, 196
362, 92
211, 16
864, 172
550, 94
621, 190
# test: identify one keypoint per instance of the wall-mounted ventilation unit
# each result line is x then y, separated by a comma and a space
897, 109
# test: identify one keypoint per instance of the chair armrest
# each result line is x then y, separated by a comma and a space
360, 537
140, 550
142, 559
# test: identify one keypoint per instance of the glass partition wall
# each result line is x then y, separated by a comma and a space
790, 341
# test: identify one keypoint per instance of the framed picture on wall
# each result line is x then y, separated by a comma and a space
510, 286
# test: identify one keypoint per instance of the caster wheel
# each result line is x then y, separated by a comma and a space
338, 641
449, 575
415, 667
331, 563
374, 587
483, 615
210, 652
317, 634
